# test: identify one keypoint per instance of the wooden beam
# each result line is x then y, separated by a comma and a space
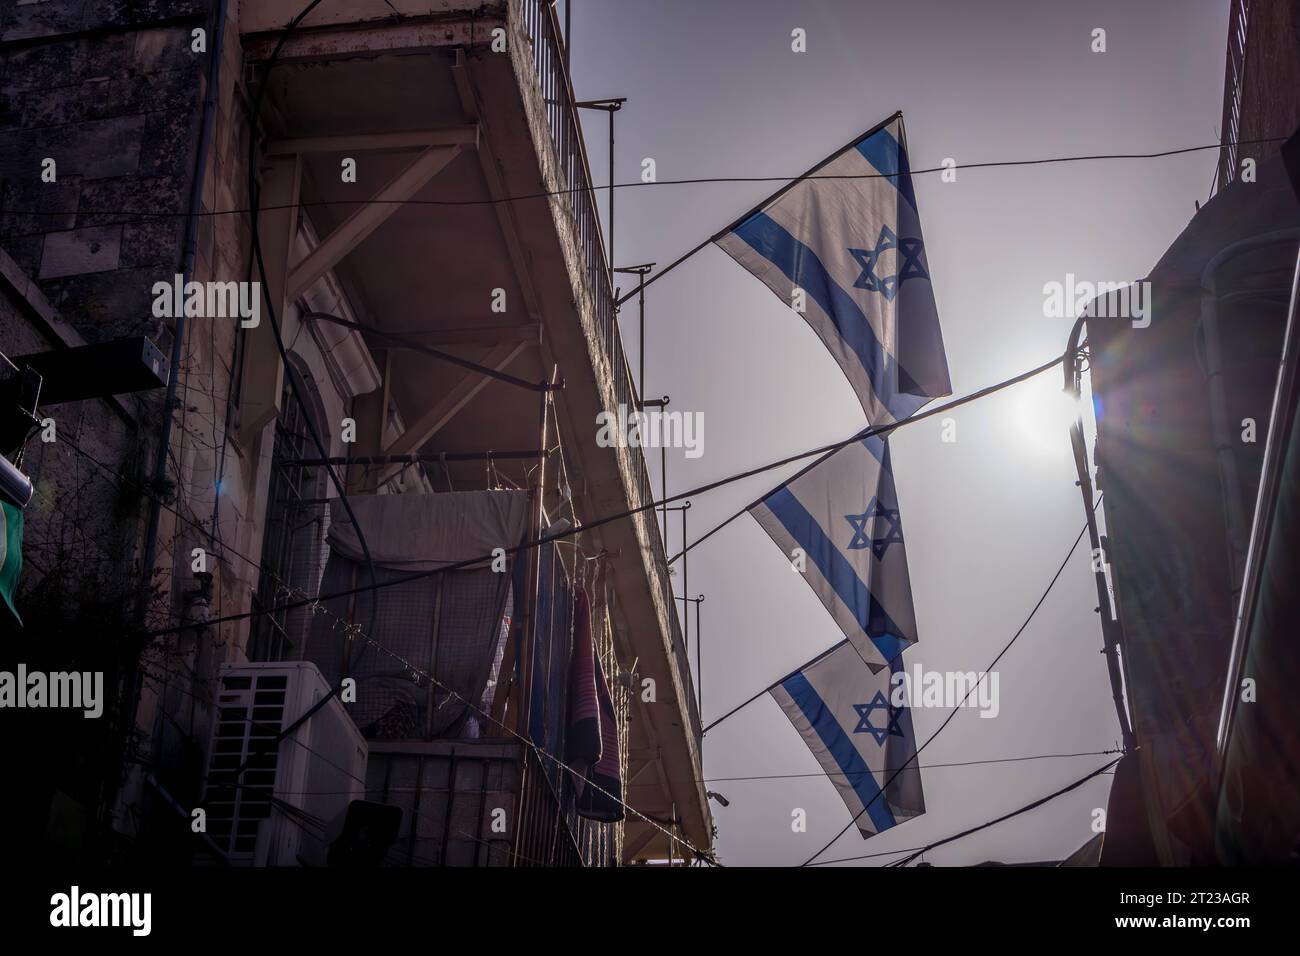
466, 135
446, 408
634, 775
631, 847
263, 373
496, 188
370, 410
393, 15
368, 218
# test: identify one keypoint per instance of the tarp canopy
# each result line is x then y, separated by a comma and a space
448, 625
423, 532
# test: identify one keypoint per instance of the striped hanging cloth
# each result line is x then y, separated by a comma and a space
583, 739
606, 803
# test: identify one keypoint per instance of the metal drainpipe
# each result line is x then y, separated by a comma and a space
189, 252
1224, 449
1274, 454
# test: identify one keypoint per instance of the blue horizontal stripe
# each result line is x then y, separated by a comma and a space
840, 746
882, 151
800, 265
876, 445
838, 572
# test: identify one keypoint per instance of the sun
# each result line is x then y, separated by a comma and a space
1043, 413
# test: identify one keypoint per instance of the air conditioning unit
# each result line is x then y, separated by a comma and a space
290, 802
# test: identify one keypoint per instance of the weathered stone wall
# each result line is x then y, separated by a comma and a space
110, 91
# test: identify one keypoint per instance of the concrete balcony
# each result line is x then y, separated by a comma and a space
471, 190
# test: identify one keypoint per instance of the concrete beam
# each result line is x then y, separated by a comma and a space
272, 15
466, 135
368, 218
634, 845
496, 188
363, 38
461, 394
263, 375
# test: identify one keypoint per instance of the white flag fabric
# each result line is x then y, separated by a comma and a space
854, 247
848, 718
842, 516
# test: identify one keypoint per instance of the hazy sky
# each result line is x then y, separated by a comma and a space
714, 90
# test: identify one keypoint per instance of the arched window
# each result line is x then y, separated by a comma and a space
293, 542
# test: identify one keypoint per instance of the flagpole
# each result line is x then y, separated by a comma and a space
780, 680
770, 199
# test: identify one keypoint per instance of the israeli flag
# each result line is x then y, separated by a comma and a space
849, 719
838, 523
853, 246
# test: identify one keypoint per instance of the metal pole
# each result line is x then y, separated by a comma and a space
640, 272
1233, 488
663, 496
611, 192
1271, 489
662, 403
686, 616
699, 665
640, 324
610, 106
699, 660
686, 619
528, 627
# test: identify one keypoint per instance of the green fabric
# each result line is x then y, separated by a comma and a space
11, 554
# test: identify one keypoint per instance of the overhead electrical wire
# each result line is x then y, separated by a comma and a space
255, 208
881, 430
810, 861
947, 720
292, 378
927, 766
147, 216
355, 631
626, 513
1007, 816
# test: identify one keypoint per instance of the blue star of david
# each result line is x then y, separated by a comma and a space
909, 251
892, 714
862, 539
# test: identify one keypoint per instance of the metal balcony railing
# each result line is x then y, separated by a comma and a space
540, 24
1238, 25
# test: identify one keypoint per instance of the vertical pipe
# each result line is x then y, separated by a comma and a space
612, 110
415, 809
189, 252
1271, 472
640, 382
434, 628
663, 484
480, 843
528, 633
686, 591
672, 831
451, 806
699, 660
1237, 520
